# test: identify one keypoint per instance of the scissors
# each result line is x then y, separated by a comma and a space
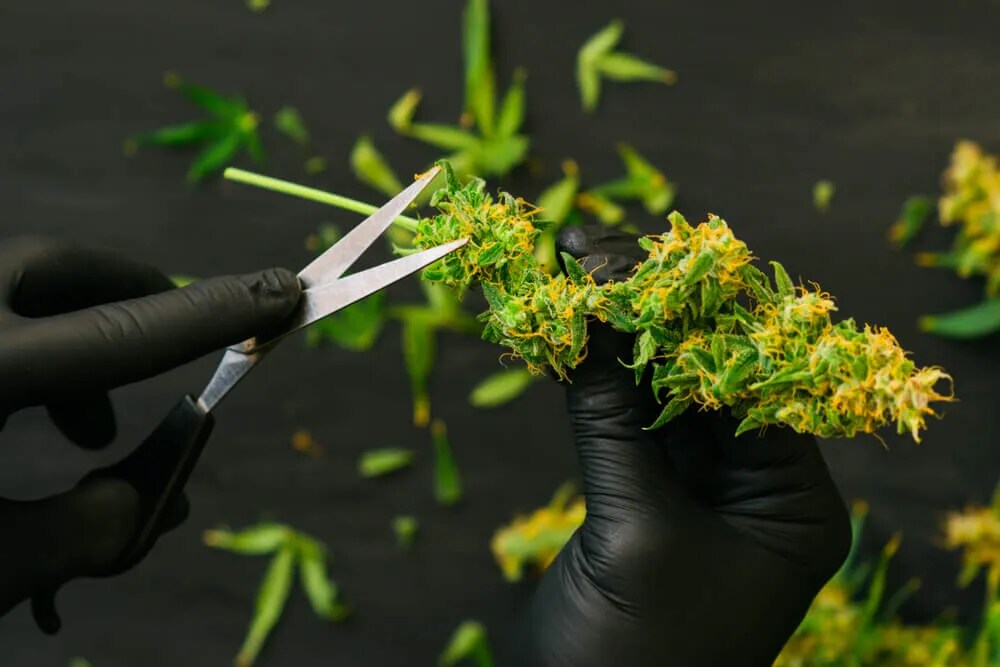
160, 467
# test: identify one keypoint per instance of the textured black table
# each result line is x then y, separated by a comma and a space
771, 98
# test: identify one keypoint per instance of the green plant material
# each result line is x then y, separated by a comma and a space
501, 388
312, 194
258, 540
911, 220
642, 182
973, 322
324, 237
79, 662
497, 144
289, 122
319, 588
381, 462
315, 165
468, 642
405, 528
258, 6
183, 281
536, 539
304, 443
371, 168
597, 59
447, 479
605, 210
271, 598
556, 202
418, 354
355, 327
231, 125
823, 193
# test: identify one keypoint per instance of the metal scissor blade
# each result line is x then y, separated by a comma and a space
323, 300
335, 261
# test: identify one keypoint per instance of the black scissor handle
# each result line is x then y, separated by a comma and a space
158, 470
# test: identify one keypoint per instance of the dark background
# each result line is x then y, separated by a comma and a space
771, 97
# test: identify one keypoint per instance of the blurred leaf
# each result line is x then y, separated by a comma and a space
445, 137
258, 5
479, 80
319, 588
183, 281
626, 67
264, 538
271, 598
512, 109
600, 206
587, 74
355, 327
325, 236
401, 113
498, 157
289, 122
468, 642
79, 662
979, 320
823, 193
418, 353
315, 165
214, 158
372, 169
381, 462
405, 528
185, 134
911, 220
501, 388
447, 479
556, 202
642, 182
222, 106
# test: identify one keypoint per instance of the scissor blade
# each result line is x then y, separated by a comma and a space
335, 261
323, 300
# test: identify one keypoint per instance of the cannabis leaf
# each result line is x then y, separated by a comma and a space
597, 59
231, 125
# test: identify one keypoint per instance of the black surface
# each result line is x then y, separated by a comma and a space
771, 98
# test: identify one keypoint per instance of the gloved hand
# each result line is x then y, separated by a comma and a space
75, 323
699, 548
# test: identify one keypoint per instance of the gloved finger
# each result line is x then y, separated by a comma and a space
75, 534
41, 277
623, 465
87, 421
606, 253
106, 346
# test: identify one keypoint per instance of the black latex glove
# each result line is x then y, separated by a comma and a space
699, 548
75, 323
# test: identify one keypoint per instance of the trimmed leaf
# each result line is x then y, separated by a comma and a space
183, 281
447, 479
445, 137
511, 115
556, 202
418, 353
264, 538
479, 82
177, 135
215, 103
258, 6
501, 388
587, 76
911, 220
271, 598
600, 206
289, 122
626, 67
468, 642
381, 462
405, 528
979, 320
401, 113
319, 588
214, 158
372, 169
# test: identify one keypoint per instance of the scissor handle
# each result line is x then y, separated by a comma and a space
158, 470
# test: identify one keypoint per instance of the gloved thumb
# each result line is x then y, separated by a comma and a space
76, 534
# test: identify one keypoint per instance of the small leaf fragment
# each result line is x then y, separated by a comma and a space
264, 538
511, 115
626, 67
371, 168
401, 113
468, 642
405, 528
315, 164
823, 192
214, 158
183, 281
289, 122
321, 591
355, 327
587, 75
447, 479
501, 388
479, 80
418, 353
271, 598
911, 220
257, 6
381, 462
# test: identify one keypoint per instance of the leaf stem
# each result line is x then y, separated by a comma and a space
296, 190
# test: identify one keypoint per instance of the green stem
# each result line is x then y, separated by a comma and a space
296, 190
